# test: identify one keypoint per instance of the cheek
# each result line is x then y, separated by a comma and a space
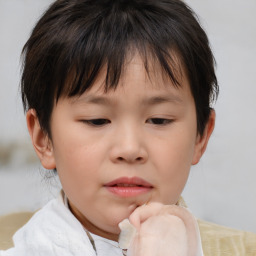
76, 164
173, 166
74, 147
176, 153
76, 161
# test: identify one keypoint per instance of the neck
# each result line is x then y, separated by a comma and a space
91, 227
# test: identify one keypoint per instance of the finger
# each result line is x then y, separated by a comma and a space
159, 235
189, 221
143, 212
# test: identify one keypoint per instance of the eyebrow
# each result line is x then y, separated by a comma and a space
90, 99
155, 100
150, 101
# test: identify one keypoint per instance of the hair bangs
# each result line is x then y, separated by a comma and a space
108, 45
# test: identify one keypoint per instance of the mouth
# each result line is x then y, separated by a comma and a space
128, 187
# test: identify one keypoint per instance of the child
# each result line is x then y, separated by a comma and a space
117, 95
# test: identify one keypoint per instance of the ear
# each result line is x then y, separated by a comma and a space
202, 140
41, 142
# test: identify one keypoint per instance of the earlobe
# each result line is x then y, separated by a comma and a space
202, 140
41, 142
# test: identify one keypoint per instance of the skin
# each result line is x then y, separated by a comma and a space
162, 229
147, 129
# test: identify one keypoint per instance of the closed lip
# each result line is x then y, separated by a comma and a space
129, 181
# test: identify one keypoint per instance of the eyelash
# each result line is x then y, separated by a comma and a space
159, 121
101, 121
96, 122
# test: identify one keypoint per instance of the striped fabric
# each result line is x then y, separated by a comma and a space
222, 241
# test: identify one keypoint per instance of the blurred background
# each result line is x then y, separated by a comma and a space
221, 188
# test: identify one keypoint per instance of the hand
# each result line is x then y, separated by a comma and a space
164, 230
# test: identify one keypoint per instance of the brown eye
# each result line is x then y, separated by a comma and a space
159, 121
97, 122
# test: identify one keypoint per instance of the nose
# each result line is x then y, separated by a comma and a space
129, 147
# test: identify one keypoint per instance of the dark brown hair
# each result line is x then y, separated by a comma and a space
75, 39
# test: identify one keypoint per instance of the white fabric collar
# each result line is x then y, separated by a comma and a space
54, 231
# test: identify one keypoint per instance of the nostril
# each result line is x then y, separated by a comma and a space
139, 159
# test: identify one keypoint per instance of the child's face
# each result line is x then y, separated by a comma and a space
115, 151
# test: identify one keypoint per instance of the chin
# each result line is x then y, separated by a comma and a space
121, 214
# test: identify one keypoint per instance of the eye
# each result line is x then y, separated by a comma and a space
96, 122
159, 121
